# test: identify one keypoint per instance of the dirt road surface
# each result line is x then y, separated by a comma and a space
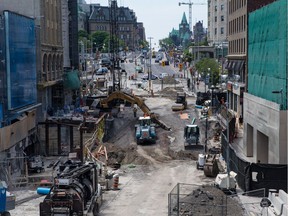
150, 172
144, 189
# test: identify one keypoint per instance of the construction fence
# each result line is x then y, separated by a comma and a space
191, 199
254, 176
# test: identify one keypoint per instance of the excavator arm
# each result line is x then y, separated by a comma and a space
133, 99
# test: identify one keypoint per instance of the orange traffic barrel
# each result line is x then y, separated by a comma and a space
116, 182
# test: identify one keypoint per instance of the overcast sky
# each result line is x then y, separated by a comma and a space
161, 16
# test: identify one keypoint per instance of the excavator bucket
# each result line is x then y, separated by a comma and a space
211, 167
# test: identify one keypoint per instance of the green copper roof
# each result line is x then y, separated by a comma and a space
184, 19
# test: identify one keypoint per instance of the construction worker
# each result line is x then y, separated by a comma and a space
135, 110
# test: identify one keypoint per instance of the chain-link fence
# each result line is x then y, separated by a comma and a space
188, 199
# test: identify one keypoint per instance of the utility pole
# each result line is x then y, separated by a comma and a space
149, 68
228, 141
114, 45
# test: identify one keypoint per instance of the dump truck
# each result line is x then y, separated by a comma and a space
180, 103
145, 131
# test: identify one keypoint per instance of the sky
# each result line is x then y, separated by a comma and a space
159, 17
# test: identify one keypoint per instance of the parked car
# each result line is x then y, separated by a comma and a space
153, 77
162, 75
102, 70
105, 62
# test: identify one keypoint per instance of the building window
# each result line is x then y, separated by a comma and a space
215, 31
216, 8
215, 18
222, 18
222, 30
222, 7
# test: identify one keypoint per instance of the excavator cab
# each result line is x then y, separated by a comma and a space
145, 121
191, 135
145, 131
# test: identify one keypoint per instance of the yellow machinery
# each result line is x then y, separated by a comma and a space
211, 167
181, 102
133, 99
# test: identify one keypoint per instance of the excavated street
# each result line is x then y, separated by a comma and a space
148, 173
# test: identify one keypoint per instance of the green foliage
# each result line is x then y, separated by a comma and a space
203, 65
143, 44
100, 39
82, 34
166, 42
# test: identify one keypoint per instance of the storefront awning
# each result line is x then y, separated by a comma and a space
235, 65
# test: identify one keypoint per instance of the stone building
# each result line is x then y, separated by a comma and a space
127, 26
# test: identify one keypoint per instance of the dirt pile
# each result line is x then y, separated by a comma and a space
127, 155
208, 200
170, 92
167, 80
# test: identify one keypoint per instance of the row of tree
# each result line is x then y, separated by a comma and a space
204, 66
100, 41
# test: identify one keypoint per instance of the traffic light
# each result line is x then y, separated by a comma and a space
163, 63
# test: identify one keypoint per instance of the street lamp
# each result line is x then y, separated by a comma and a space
227, 130
208, 69
222, 56
279, 92
150, 71
205, 112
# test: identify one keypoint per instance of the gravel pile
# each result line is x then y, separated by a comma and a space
209, 200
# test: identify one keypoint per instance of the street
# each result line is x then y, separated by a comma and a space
148, 173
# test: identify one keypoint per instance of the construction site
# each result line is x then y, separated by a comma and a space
137, 139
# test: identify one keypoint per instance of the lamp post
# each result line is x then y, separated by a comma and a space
150, 71
206, 108
228, 140
222, 56
279, 92
224, 78
212, 98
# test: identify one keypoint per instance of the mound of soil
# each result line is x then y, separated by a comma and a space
208, 200
127, 155
170, 92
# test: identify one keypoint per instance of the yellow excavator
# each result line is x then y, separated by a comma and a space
107, 102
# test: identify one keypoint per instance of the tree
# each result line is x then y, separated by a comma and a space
202, 67
82, 34
166, 42
100, 39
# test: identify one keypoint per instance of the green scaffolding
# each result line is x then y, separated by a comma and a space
267, 52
